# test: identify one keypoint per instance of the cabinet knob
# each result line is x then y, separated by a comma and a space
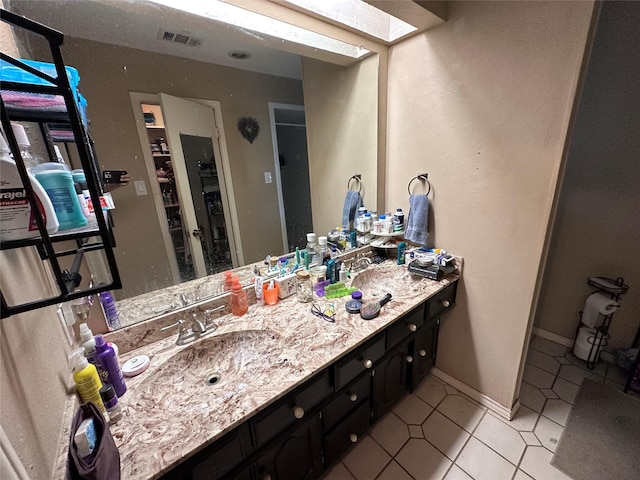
353, 438
445, 303
367, 363
298, 412
412, 327
353, 397
409, 359
422, 353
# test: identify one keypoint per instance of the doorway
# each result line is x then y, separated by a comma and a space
291, 160
190, 181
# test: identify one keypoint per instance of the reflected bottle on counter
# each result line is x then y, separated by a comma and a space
238, 299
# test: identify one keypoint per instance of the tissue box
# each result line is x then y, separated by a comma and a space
85, 438
287, 285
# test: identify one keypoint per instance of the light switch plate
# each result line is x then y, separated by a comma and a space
267, 177
141, 187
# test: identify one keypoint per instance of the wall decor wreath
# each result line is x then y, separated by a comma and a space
248, 128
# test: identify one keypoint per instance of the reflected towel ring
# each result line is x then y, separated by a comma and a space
424, 177
357, 178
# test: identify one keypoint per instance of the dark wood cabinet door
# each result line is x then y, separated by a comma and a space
390, 380
425, 348
215, 461
297, 457
346, 434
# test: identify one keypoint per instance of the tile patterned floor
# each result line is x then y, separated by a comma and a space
438, 433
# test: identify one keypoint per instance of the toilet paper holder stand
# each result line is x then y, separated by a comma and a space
615, 288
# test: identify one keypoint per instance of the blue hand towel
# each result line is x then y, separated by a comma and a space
416, 231
351, 203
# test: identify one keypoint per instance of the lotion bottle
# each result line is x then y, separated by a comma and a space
109, 366
85, 376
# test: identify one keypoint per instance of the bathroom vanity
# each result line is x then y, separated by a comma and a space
279, 393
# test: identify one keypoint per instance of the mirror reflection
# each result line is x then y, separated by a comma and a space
203, 196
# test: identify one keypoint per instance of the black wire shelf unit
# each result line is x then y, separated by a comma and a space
97, 236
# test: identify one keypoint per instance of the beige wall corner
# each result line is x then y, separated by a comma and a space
597, 226
482, 103
341, 108
422, 15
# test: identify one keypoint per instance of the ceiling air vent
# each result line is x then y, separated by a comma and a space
183, 38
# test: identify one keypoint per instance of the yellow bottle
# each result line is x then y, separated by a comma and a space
87, 380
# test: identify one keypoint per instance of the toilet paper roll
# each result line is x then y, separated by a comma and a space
596, 307
587, 337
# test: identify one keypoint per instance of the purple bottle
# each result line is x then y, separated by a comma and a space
109, 370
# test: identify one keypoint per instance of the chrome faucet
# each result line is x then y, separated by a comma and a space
197, 329
360, 262
197, 326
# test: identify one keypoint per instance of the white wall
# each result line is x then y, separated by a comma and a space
597, 228
482, 103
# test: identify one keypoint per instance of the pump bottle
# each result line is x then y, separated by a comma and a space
85, 376
30, 160
87, 342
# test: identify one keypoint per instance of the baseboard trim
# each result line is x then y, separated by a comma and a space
567, 342
475, 395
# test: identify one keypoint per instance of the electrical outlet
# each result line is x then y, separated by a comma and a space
267, 177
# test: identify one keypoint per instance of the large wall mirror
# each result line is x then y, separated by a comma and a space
128, 67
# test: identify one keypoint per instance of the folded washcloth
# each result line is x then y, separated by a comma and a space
416, 230
351, 203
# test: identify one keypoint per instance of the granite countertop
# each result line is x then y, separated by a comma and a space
171, 411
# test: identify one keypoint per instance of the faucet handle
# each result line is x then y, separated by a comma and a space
178, 323
207, 315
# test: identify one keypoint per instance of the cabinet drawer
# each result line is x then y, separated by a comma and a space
444, 300
346, 434
346, 401
405, 326
357, 362
290, 409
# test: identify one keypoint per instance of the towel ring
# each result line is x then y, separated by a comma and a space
357, 178
424, 177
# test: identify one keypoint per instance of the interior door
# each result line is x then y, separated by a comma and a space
185, 119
